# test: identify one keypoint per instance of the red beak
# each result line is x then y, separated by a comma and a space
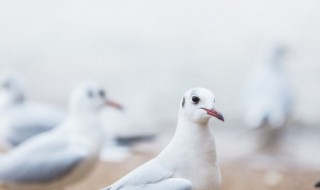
214, 113
114, 104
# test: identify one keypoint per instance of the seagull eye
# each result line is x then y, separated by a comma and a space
102, 94
195, 99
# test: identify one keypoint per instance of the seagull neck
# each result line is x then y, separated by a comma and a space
191, 141
84, 115
193, 137
83, 123
188, 130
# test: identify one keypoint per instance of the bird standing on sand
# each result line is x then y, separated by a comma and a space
269, 97
64, 154
189, 162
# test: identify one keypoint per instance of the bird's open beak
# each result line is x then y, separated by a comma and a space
214, 113
114, 104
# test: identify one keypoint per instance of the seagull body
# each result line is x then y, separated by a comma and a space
269, 98
25, 120
189, 161
20, 118
54, 158
62, 155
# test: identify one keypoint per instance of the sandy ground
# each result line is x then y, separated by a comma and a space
292, 165
234, 177
260, 170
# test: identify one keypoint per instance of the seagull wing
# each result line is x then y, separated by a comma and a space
44, 158
151, 176
30, 119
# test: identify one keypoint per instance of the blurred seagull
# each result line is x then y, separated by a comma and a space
189, 161
64, 154
269, 97
21, 119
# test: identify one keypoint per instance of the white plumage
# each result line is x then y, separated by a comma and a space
64, 154
189, 161
20, 118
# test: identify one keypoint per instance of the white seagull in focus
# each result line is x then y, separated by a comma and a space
189, 162
65, 154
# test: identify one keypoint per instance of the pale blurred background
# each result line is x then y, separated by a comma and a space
148, 53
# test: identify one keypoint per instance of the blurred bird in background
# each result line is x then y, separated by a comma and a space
21, 118
269, 98
65, 154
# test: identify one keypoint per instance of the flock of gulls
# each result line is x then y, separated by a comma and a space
50, 149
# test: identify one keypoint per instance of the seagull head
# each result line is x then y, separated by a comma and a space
90, 97
198, 105
11, 89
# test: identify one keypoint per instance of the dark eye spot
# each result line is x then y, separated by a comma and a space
195, 99
90, 94
102, 93
183, 101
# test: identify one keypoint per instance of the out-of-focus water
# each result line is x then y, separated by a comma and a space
149, 53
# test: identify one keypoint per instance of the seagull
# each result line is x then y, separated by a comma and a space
20, 118
64, 154
189, 161
269, 97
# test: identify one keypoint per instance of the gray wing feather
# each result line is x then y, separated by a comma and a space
41, 160
29, 120
17, 135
